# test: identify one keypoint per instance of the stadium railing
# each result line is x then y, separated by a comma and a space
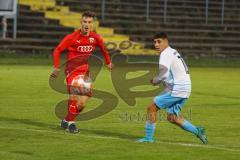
8, 10
165, 14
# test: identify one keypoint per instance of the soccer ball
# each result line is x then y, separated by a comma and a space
82, 85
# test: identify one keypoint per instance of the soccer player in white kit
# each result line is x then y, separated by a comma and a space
174, 75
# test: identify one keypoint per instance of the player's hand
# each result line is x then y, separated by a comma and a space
151, 81
110, 66
55, 73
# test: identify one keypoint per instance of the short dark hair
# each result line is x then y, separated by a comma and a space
88, 14
160, 35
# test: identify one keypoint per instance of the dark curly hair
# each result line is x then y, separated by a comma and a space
88, 14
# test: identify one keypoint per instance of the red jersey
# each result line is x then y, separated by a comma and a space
80, 47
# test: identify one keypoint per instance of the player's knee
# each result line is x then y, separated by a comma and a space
172, 118
175, 119
179, 120
73, 97
80, 105
80, 108
151, 108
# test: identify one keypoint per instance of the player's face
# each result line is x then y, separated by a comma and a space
87, 25
160, 44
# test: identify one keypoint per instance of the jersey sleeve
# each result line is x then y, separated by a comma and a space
103, 49
165, 60
161, 76
63, 45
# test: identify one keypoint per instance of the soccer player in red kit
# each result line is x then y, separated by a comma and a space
80, 44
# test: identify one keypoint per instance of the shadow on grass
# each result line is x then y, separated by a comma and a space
31, 123
55, 127
105, 133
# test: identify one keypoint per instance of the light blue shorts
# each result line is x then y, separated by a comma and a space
173, 105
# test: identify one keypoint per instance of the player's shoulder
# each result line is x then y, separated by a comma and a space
170, 50
72, 35
75, 33
95, 35
167, 51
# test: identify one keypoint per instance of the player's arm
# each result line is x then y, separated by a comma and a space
161, 76
164, 65
105, 53
64, 44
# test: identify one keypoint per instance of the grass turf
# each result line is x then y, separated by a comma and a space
30, 130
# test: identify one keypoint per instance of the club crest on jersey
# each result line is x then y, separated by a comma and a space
78, 41
91, 40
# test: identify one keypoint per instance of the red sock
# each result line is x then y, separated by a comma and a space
73, 110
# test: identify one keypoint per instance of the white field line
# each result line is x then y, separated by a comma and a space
218, 147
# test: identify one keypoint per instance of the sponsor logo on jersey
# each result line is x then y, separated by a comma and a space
91, 40
85, 48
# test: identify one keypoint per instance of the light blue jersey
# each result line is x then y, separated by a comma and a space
175, 77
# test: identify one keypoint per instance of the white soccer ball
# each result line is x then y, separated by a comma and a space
82, 85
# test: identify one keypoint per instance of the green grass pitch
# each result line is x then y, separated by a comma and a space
29, 128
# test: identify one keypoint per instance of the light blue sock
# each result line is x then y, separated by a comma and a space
189, 127
150, 128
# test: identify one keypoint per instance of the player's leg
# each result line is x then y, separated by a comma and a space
78, 108
71, 102
150, 123
181, 122
174, 117
75, 105
160, 102
81, 102
72, 112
